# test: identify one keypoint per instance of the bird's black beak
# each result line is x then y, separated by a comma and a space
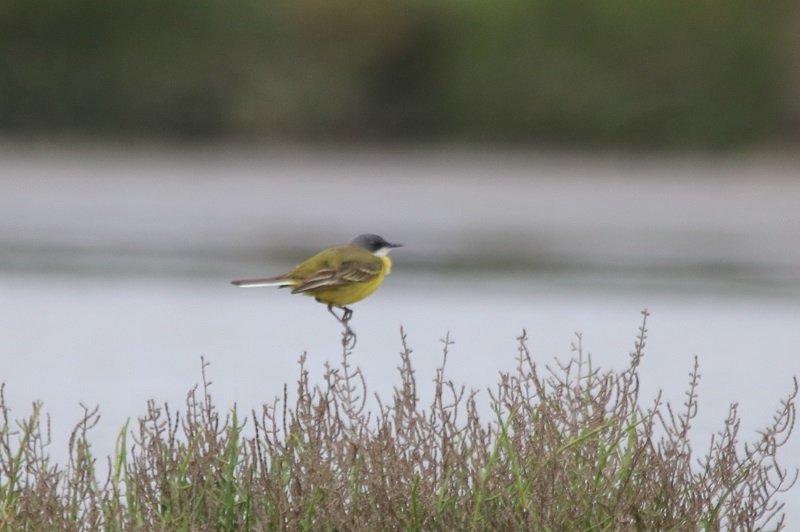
395, 245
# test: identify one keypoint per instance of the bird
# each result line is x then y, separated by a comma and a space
338, 276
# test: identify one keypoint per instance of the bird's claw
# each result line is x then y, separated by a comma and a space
348, 336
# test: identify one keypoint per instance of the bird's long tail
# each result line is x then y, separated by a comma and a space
279, 281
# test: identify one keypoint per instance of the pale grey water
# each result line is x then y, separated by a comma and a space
115, 267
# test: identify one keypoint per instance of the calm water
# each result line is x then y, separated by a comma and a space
114, 274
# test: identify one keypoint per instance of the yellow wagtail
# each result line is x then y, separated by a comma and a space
338, 276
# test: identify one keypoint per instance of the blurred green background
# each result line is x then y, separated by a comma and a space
674, 74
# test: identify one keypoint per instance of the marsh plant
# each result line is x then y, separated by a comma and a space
567, 447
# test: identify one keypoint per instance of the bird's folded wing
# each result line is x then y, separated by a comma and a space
332, 278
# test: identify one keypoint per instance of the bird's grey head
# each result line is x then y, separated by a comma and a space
374, 244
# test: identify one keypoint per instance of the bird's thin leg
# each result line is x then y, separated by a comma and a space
349, 335
330, 309
349, 338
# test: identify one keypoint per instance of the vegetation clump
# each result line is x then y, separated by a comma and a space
569, 447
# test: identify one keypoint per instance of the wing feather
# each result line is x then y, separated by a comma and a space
349, 272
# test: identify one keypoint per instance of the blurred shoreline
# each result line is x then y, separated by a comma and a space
212, 210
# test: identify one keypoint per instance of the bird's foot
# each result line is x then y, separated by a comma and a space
348, 336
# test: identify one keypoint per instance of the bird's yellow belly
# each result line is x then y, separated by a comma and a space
346, 295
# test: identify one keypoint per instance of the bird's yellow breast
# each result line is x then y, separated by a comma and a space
387, 265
